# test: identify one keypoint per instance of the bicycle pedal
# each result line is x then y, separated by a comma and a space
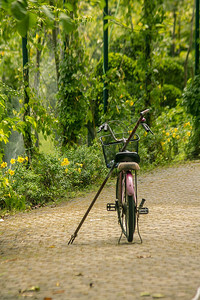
142, 203
111, 207
143, 211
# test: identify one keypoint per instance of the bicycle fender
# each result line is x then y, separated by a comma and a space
130, 184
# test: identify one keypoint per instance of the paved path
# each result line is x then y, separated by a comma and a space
37, 263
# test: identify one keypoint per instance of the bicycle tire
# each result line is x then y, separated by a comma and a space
126, 208
130, 218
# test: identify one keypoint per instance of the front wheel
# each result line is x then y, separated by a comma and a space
126, 208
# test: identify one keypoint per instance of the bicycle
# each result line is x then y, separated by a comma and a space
126, 160
126, 193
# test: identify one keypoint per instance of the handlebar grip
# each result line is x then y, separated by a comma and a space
144, 112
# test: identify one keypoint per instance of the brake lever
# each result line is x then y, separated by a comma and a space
147, 128
103, 126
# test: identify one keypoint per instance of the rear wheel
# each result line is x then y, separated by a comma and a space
126, 208
130, 218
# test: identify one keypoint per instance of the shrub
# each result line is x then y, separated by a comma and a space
172, 134
170, 95
170, 72
49, 177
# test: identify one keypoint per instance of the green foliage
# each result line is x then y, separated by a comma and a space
191, 96
191, 100
125, 66
27, 15
123, 80
131, 44
166, 95
171, 94
49, 177
169, 72
172, 131
72, 104
86, 165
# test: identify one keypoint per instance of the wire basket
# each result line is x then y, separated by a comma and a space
111, 147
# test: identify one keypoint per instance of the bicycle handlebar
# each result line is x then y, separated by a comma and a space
144, 112
107, 127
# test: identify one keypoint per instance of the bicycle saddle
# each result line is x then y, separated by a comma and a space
127, 156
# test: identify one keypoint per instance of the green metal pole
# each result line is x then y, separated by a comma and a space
197, 39
105, 56
24, 51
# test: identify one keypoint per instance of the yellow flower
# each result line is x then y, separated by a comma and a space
174, 135
145, 134
178, 137
12, 161
11, 172
4, 164
65, 162
186, 124
168, 140
162, 143
66, 170
6, 181
79, 170
175, 129
188, 133
26, 158
20, 159
167, 133
131, 103
81, 165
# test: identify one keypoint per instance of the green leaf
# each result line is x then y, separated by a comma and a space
67, 23
32, 20
5, 4
47, 13
18, 9
68, 6
23, 26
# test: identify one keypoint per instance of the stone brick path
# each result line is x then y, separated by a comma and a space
37, 263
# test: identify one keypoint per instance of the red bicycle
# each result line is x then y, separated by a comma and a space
126, 160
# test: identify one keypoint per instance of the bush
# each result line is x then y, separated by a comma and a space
172, 135
170, 95
126, 67
170, 72
49, 178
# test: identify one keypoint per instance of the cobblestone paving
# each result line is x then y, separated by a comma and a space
37, 263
